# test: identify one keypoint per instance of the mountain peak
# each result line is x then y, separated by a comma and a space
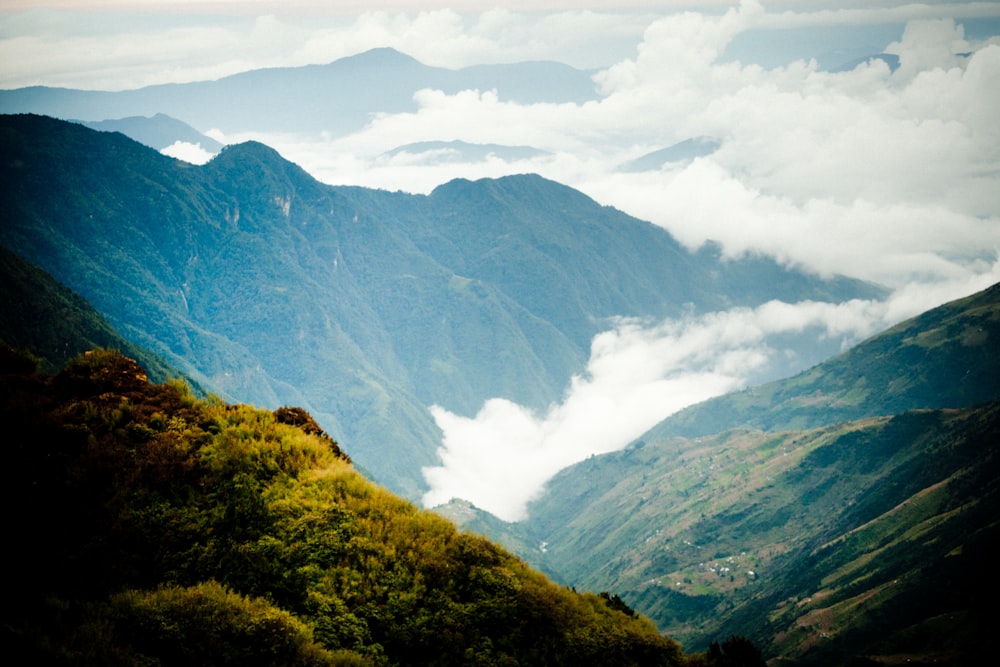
383, 56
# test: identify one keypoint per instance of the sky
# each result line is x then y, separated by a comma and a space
887, 176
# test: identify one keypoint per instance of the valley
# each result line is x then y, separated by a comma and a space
836, 515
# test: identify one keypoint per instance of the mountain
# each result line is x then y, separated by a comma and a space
840, 517
339, 97
156, 528
682, 151
940, 359
159, 131
41, 316
362, 306
890, 59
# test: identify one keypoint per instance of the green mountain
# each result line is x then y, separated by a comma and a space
941, 359
362, 306
841, 517
40, 316
154, 528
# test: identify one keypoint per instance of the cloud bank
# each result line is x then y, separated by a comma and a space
638, 374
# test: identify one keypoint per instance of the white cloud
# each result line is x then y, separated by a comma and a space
193, 153
122, 48
638, 375
881, 176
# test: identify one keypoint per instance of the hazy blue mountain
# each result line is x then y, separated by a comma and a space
821, 539
339, 97
682, 151
158, 131
462, 151
362, 306
828, 45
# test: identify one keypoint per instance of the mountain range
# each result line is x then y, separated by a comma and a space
842, 516
338, 98
236, 271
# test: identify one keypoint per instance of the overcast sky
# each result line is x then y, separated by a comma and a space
888, 176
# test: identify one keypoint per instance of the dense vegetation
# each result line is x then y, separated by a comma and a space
364, 307
40, 314
152, 527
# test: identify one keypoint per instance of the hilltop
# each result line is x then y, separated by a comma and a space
157, 528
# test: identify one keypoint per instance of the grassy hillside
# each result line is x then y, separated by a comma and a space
947, 357
788, 537
156, 528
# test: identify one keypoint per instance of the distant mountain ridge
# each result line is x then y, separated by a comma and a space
158, 131
362, 306
339, 97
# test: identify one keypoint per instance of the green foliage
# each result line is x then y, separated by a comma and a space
160, 528
204, 624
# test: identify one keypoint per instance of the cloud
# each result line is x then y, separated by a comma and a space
880, 175
183, 150
639, 374
124, 46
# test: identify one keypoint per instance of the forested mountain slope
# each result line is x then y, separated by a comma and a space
40, 315
949, 357
834, 544
155, 528
362, 306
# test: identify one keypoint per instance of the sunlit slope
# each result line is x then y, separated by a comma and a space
156, 528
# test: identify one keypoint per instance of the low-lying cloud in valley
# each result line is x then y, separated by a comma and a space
637, 375
880, 172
